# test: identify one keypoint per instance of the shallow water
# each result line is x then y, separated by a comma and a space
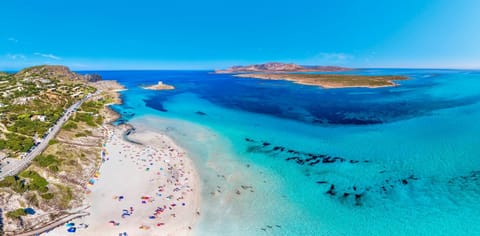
401, 160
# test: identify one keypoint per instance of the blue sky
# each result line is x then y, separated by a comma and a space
208, 34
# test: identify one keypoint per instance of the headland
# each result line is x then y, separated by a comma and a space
84, 176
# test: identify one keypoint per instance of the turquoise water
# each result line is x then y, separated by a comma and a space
276, 158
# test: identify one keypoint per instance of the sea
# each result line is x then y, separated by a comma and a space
279, 158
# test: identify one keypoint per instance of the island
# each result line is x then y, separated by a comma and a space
159, 86
332, 80
278, 67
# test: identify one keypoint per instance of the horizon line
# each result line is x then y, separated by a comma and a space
352, 68
212, 69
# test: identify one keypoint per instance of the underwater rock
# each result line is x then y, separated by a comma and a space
314, 163
331, 191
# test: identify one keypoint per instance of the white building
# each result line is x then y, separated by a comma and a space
38, 117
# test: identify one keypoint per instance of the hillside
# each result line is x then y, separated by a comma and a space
276, 67
54, 182
32, 100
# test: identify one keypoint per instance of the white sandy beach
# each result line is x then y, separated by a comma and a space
149, 189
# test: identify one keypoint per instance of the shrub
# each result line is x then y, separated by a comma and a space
16, 142
36, 182
53, 141
70, 125
45, 161
47, 196
16, 213
54, 168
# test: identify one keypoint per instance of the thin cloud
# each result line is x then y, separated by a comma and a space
50, 56
12, 39
16, 56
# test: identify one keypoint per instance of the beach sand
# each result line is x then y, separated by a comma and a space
140, 189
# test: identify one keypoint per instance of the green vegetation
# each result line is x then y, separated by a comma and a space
92, 106
66, 195
108, 100
91, 110
28, 127
53, 141
331, 81
32, 100
70, 125
16, 142
47, 196
99, 120
50, 161
88, 118
85, 133
26, 181
16, 213
54, 168
36, 182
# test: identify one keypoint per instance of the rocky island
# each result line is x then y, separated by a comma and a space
332, 81
277, 67
159, 86
303, 75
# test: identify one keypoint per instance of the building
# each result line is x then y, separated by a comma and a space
38, 117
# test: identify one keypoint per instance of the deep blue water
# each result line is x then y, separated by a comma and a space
398, 161
304, 103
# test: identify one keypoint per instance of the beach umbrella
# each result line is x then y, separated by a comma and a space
29, 211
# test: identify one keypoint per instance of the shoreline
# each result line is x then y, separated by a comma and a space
67, 183
330, 81
182, 223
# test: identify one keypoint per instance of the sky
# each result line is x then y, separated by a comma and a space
213, 34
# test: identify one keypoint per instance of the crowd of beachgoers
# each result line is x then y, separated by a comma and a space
146, 185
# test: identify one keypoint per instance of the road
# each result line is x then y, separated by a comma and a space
15, 167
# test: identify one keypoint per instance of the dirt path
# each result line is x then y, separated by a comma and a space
58, 222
